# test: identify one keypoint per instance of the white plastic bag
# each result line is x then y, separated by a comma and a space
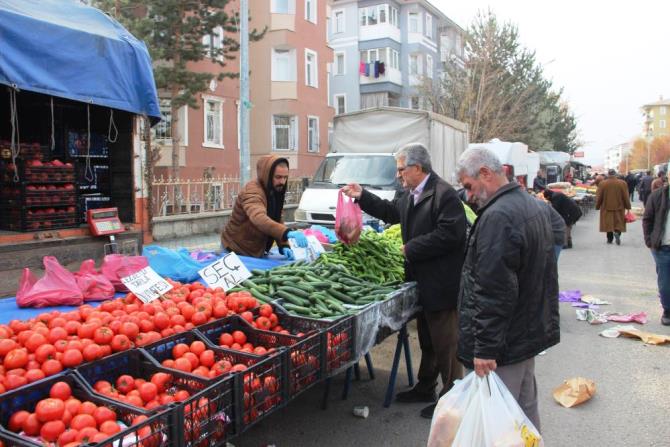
481, 412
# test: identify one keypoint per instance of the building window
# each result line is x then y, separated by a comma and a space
663, 110
340, 104
339, 64
373, 15
282, 6
414, 67
311, 72
283, 65
312, 134
284, 131
339, 21
414, 102
310, 10
429, 66
163, 130
382, 13
213, 122
213, 43
413, 22
661, 124
429, 26
394, 16
394, 62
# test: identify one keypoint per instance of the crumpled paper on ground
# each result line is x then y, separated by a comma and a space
646, 337
575, 391
590, 316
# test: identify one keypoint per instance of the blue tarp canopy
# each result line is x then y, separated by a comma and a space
66, 49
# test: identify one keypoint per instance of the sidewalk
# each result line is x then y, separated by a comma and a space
210, 241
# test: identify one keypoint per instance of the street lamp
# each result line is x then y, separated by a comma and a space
649, 135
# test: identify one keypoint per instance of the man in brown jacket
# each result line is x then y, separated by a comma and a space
612, 200
256, 220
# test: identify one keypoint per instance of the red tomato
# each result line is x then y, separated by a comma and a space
57, 333
195, 361
207, 358
13, 381
148, 391
98, 438
239, 337
35, 341
220, 310
49, 409
179, 350
120, 342
248, 316
33, 375
263, 323
161, 320
226, 339
16, 358
45, 352
103, 336
72, 405
86, 434
125, 383
67, 437
72, 358
197, 347
6, 345
60, 390
32, 425
82, 421
104, 414
91, 352
52, 430
161, 380
130, 330
87, 408
17, 420
199, 318
265, 310
183, 364
87, 330
109, 428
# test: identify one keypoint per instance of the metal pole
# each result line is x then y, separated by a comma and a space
245, 170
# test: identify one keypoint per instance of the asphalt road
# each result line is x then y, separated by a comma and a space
631, 405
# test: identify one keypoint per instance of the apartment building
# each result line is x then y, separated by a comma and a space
384, 50
290, 114
656, 118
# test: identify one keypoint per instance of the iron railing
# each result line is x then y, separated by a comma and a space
192, 196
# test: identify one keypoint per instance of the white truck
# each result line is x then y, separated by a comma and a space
362, 148
519, 163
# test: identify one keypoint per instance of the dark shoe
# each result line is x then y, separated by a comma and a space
569, 244
415, 396
665, 318
428, 411
617, 237
608, 241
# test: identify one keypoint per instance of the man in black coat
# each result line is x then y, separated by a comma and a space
631, 182
644, 187
508, 305
433, 232
568, 209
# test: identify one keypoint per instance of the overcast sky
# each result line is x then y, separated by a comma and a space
610, 57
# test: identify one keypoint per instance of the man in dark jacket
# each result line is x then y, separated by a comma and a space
631, 182
433, 233
645, 187
656, 228
540, 182
508, 304
568, 209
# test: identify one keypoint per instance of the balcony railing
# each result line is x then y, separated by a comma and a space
193, 196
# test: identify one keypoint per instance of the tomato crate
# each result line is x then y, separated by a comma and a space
259, 389
28, 219
304, 352
398, 308
206, 414
157, 430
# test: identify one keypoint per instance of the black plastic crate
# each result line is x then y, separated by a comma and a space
259, 390
156, 430
25, 219
304, 352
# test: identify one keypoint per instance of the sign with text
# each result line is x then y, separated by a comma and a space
578, 154
226, 272
146, 284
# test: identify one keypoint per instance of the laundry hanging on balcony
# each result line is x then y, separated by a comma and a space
376, 69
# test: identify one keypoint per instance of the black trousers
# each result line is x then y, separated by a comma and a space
610, 235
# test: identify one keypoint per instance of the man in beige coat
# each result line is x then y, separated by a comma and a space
612, 200
256, 220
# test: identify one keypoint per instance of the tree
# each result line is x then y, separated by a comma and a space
179, 33
645, 154
501, 91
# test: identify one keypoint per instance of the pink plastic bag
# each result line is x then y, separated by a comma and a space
94, 285
115, 267
630, 217
317, 234
58, 287
348, 219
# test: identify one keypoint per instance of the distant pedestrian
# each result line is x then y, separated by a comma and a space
599, 178
540, 181
656, 228
508, 303
631, 182
612, 200
658, 181
568, 209
644, 187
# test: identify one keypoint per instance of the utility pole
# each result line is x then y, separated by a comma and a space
245, 170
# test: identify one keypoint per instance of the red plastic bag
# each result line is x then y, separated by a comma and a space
58, 287
94, 285
630, 217
348, 219
115, 267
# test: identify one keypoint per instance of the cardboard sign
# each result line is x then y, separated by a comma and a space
146, 284
226, 272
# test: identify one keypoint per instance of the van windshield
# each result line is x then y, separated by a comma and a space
372, 170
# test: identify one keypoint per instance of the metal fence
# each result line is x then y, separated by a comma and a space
186, 196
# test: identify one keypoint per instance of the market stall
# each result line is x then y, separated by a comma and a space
232, 357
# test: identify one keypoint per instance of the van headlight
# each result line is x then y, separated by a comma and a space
300, 214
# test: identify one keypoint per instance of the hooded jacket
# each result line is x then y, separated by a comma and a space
256, 218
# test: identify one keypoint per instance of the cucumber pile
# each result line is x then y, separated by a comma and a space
375, 258
315, 290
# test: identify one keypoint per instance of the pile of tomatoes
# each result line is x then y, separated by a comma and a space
159, 390
66, 421
53, 341
197, 359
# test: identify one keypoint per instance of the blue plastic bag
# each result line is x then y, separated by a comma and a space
174, 264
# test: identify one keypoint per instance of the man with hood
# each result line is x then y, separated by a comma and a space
256, 220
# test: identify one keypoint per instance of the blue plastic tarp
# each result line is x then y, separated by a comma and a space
70, 50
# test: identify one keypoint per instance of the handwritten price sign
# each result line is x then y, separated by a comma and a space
226, 272
146, 284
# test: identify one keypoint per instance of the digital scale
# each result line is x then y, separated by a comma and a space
105, 222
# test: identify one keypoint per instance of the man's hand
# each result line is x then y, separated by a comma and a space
483, 367
289, 254
352, 190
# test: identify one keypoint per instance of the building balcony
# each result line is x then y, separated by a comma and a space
390, 75
380, 31
282, 22
284, 90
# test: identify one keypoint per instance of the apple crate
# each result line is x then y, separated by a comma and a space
157, 430
206, 416
304, 352
259, 389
